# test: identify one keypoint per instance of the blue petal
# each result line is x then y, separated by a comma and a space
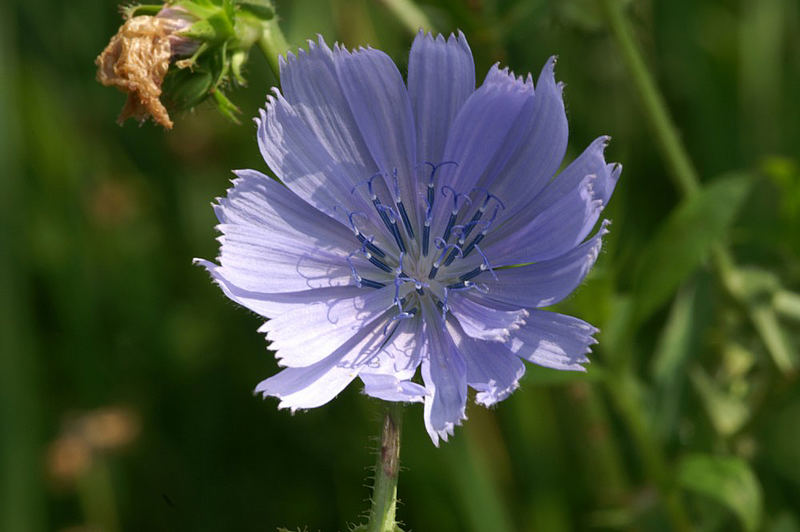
554, 341
299, 159
480, 139
482, 322
548, 282
315, 385
556, 230
271, 304
311, 86
307, 326
590, 162
380, 105
492, 370
445, 375
308, 331
543, 132
273, 241
441, 76
390, 388
402, 354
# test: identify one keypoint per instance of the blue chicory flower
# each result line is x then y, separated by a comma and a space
405, 206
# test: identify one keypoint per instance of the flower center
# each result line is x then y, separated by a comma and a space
442, 256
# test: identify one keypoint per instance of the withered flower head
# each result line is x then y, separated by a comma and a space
174, 56
136, 61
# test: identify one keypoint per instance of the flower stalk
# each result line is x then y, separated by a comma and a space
273, 44
387, 469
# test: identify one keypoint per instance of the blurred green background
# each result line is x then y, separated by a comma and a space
126, 377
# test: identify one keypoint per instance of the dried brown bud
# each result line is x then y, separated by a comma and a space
135, 61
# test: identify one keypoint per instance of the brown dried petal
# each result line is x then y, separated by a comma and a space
136, 61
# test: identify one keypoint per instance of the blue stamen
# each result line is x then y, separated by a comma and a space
472, 223
426, 237
371, 284
370, 246
440, 243
473, 273
489, 196
456, 207
450, 224
406, 221
474, 243
390, 220
482, 235
486, 265
367, 182
378, 263
366, 242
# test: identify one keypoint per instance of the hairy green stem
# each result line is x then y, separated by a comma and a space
273, 44
387, 469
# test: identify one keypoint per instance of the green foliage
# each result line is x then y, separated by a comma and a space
728, 480
685, 239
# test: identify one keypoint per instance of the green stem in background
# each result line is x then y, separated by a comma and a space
686, 178
669, 142
624, 392
273, 44
409, 15
22, 498
387, 469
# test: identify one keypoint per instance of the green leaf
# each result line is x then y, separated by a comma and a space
728, 412
685, 239
727, 480
677, 342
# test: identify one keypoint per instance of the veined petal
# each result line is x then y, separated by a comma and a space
314, 385
310, 84
441, 76
262, 262
391, 388
543, 132
259, 202
547, 282
272, 304
554, 341
402, 354
492, 370
479, 139
306, 333
590, 162
482, 322
556, 230
380, 105
297, 156
445, 375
